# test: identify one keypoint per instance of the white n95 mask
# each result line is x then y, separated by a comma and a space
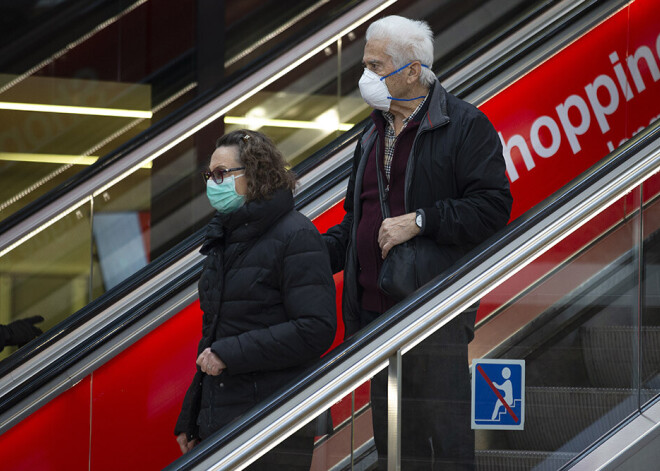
374, 90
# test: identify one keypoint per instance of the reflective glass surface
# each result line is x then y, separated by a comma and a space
50, 274
573, 319
650, 305
340, 438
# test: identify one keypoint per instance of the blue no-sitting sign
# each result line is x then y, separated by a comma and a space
498, 394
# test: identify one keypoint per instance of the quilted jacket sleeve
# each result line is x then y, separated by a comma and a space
308, 295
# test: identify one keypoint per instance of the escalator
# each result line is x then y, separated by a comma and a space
136, 321
589, 339
58, 254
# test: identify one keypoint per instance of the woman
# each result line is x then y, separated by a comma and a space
266, 290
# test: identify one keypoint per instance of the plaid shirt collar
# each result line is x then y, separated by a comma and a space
390, 136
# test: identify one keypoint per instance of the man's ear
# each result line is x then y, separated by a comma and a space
414, 72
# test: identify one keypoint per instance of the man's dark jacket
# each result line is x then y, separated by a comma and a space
455, 174
267, 276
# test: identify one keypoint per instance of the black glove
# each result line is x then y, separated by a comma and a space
22, 331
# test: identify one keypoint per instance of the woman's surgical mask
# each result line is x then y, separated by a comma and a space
374, 89
223, 196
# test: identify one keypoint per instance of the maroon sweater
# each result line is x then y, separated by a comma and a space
368, 251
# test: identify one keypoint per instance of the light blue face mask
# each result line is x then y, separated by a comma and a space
223, 196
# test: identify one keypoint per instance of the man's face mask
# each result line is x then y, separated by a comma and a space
374, 89
223, 196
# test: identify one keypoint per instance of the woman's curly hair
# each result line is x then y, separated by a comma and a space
265, 166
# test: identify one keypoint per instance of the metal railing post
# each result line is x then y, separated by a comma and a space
394, 413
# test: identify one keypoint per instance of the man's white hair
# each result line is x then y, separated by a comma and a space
407, 41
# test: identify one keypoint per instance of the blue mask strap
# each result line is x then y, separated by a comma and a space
405, 99
399, 70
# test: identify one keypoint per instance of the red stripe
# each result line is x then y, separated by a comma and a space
497, 393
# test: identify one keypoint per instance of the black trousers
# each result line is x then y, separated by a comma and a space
435, 411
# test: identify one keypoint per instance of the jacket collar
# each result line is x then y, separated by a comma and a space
436, 114
247, 222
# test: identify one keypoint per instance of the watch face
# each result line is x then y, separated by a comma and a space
418, 220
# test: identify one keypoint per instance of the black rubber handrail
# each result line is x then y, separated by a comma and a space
399, 312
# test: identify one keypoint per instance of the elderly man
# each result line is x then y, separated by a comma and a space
439, 164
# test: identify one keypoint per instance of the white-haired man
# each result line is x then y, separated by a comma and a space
439, 165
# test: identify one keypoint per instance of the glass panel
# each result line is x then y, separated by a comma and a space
435, 403
121, 227
650, 370
315, 103
573, 318
49, 275
335, 433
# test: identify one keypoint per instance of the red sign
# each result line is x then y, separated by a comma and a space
575, 108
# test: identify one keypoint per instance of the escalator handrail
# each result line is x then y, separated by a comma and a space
140, 278
432, 306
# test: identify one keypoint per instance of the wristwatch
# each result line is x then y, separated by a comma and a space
420, 220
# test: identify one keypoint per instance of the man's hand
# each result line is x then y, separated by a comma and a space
395, 231
184, 444
210, 363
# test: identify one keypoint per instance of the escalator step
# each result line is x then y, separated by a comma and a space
570, 419
609, 355
508, 460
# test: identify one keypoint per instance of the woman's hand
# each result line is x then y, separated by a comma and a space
210, 363
184, 444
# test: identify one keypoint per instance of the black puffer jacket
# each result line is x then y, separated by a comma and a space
455, 174
267, 278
